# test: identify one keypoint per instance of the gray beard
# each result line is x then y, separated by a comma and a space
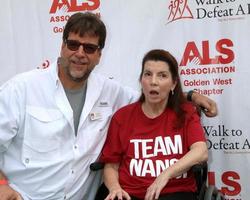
80, 79
65, 65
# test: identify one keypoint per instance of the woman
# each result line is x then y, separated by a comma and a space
153, 143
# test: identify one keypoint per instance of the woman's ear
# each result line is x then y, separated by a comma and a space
174, 85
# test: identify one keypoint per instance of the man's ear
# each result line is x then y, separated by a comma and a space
100, 53
63, 45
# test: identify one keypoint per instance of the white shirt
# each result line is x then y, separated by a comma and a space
39, 152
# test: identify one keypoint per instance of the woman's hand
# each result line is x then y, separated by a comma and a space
119, 193
111, 180
154, 190
198, 153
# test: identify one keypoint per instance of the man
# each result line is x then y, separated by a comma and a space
54, 121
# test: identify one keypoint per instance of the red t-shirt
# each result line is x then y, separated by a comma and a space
144, 147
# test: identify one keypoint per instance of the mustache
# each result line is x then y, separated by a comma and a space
66, 61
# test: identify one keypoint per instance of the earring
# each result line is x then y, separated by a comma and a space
172, 92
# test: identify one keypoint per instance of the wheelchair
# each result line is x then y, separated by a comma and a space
204, 192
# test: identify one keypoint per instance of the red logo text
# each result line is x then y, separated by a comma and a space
223, 47
74, 5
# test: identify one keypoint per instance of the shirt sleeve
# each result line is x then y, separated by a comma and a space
9, 114
112, 150
126, 96
195, 132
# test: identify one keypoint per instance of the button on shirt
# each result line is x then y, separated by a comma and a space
39, 152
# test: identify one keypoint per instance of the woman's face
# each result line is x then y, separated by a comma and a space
156, 82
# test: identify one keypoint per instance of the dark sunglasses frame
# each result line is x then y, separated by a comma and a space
88, 48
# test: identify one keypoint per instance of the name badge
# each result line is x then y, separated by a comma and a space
95, 116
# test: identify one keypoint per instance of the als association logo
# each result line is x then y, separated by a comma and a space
179, 9
223, 48
61, 10
202, 62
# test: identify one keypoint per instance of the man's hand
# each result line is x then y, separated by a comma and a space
208, 106
7, 193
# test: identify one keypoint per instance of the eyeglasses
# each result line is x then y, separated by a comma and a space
88, 48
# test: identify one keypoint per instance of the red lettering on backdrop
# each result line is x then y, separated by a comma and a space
84, 6
222, 46
56, 5
206, 57
228, 179
225, 51
211, 178
231, 186
59, 18
190, 52
73, 6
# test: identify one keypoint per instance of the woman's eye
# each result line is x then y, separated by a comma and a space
163, 75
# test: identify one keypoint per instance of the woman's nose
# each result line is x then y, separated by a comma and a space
154, 80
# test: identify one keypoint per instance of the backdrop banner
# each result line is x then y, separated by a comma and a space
210, 39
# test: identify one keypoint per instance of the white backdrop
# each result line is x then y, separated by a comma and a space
210, 39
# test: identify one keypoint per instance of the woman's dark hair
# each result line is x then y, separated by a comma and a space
176, 99
86, 23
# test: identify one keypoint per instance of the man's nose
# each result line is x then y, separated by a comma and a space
81, 51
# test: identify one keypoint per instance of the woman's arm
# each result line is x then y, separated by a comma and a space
198, 153
111, 180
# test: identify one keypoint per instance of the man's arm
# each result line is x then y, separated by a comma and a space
208, 106
6, 192
9, 112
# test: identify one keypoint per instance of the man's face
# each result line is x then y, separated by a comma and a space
76, 65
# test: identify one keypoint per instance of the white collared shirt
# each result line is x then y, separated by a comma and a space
39, 152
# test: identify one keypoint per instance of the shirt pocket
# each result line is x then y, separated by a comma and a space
43, 128
95, 130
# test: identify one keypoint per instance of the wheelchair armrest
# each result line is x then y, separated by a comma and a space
200, 174
202, 167
95, 166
